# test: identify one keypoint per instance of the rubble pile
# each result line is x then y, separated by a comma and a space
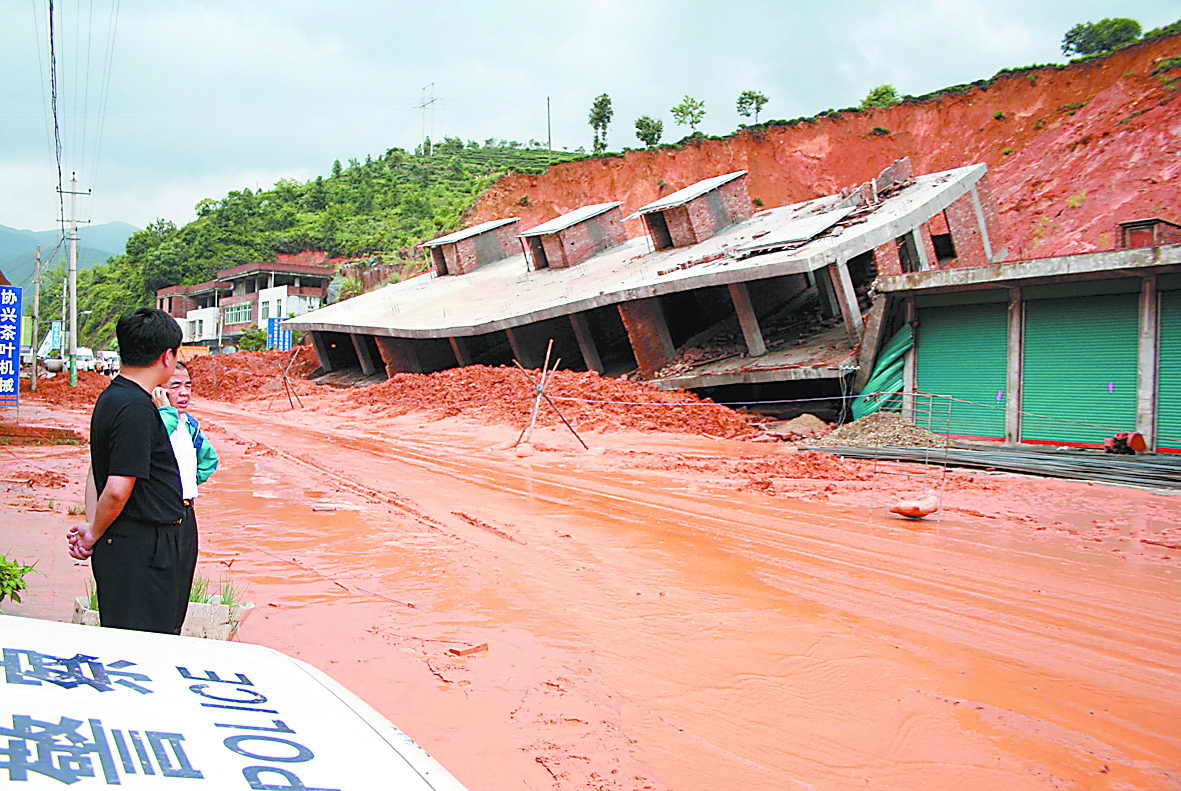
801, 427
20, 434
505, 395
233, 377
56, 389
883, 428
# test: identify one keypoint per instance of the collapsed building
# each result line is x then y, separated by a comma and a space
712, 294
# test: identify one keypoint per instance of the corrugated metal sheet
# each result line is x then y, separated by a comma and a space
1168, 423
963, 352
564, 221
683, 196
1080, 365
468, 232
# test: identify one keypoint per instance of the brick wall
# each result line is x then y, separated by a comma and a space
580, 242
719, 208
680, 228
886, 259
965, 232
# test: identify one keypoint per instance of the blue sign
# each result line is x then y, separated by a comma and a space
55, 337
10, 345
277, 337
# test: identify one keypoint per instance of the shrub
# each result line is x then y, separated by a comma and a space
1093, 38
1075, 201
254, 340
1167, 64
757, 202
998, 115
1007, 151
12, 578
881, 96
879, 130
523, 200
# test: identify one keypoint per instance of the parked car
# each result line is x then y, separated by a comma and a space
220, 715
112, 359
85, 358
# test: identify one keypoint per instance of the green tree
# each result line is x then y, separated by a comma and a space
751, 103
1089, 38
881, 96
599, 118
252, 341
689, 112
336, 169
649, 130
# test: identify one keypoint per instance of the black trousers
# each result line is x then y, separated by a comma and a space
143, 574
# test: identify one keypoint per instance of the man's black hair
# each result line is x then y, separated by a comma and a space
145, 334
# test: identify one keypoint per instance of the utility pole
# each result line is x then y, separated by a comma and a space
549, 131
73, 276
425, 105
35, 341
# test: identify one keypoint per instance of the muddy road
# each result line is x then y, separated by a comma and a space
661, 614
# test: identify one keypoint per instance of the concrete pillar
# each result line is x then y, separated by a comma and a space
838, 272
747, 319
868, 354
586, 342
524, 353
928, 246
985, 237
920, 249
399, 355
1015, 363
459, 347
828, 294
910, 371
1147, 373
321, 350
648, 332
368, 364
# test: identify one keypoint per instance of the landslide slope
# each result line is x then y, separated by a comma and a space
1076, 149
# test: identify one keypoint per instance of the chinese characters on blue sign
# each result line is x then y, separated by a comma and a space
277, 337
10, 345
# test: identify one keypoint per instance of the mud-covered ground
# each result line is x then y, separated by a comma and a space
672, 611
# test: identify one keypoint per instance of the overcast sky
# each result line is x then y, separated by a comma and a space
210, 96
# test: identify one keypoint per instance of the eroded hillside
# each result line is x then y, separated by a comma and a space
1072, 151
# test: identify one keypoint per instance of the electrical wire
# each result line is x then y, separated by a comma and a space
105, 89
57, 137
41, 80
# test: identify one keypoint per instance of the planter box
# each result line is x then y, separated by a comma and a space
213, 621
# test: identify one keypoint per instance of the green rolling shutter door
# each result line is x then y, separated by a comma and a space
1080, 365
963, 352
1168, 426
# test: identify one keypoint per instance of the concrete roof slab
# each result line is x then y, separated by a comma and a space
564, 221
466, 233
683, 196
505, 294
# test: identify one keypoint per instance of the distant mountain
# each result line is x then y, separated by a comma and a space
96, 244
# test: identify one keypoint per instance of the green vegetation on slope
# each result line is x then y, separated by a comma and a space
379, 206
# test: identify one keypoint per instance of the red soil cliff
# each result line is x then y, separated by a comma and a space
1078, 150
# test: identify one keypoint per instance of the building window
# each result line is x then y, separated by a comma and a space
279, 307
239, 313
200, 328
266, 311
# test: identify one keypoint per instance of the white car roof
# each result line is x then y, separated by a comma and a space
106, 706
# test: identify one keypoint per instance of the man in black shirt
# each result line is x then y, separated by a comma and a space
143, 538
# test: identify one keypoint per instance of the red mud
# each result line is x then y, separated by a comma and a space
56, 389
232, 377
505, 395
651, 624
1077, 151
23, 434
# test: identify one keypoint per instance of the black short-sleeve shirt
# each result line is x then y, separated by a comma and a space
127, 437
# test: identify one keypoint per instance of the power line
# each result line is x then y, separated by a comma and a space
86, 92
41, 81
57, 137
105, 88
